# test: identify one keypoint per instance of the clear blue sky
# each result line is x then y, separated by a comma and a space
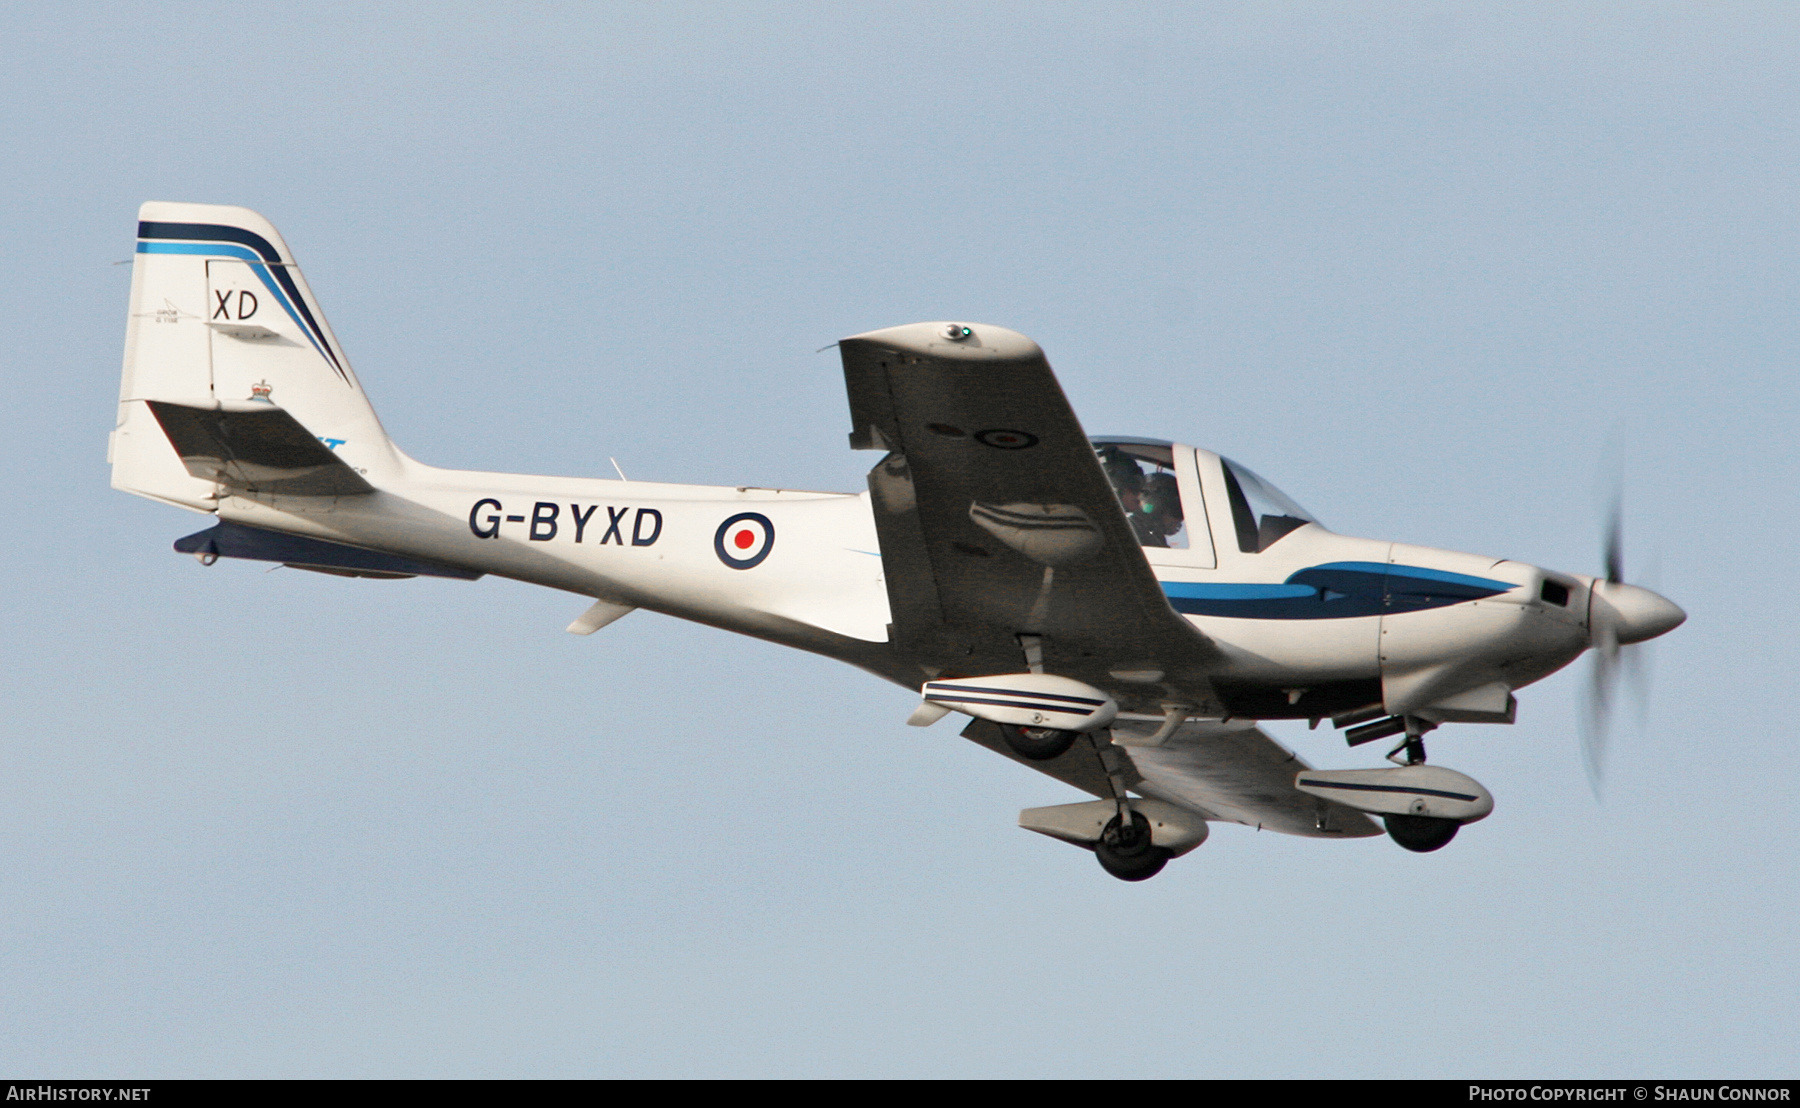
1417, 264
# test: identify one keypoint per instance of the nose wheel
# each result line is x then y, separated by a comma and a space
1421, 834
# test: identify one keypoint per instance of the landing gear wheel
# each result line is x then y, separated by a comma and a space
1421, 834
1127, 852
1037, 744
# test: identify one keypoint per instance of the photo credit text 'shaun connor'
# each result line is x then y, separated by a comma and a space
1781, 1093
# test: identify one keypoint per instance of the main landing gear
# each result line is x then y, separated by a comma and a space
1038, 744
1126, 847
1127, 853
1132, 847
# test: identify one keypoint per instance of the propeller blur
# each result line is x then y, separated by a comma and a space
1619, 615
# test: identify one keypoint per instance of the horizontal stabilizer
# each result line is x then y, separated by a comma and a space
256, 447
234, 540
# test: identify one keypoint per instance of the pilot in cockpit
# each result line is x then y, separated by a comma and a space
1152, 502
1159, 510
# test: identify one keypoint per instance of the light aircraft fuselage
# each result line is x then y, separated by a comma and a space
1116, 612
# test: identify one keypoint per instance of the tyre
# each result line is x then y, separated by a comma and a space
1127, 852
1037, 744
1421, 834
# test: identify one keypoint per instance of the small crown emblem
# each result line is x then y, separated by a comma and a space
261, 390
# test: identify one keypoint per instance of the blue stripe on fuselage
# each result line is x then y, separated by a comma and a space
1335, 590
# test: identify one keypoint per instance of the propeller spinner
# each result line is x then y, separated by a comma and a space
1619, 615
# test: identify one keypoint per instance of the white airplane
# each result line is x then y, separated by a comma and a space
1117, 613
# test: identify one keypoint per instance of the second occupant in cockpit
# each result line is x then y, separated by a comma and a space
1141, 477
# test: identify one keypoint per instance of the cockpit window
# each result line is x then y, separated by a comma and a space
1263, 513
1143, 477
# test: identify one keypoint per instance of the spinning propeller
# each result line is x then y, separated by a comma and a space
1618, 616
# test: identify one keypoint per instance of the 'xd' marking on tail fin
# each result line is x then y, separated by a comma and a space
264, 259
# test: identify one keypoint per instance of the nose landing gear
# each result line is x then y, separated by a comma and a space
1411, 751
1414, 830
1423, 806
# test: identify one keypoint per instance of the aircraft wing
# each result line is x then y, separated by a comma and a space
1236, 772
1227, 772
995, 518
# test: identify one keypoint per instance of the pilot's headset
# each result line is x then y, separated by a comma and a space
1162, 503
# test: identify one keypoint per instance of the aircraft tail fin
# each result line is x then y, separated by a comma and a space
222, 321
